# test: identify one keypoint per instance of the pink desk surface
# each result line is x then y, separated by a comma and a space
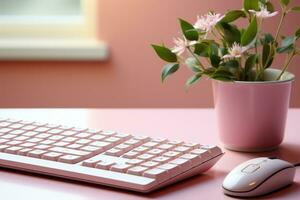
197, 125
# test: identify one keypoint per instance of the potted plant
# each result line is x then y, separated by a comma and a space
251, 98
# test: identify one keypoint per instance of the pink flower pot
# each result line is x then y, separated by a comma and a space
251, 115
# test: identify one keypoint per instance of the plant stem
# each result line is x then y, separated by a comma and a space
201, 65
288, 61
280, 23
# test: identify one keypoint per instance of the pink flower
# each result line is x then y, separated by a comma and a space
181, 45
207, 22
235, 51
263, 13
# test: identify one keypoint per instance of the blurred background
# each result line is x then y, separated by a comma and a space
130, 74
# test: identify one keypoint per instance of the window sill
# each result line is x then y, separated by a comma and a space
53, 49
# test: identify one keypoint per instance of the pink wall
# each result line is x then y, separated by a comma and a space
131, 77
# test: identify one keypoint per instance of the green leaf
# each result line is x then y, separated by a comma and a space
165, 53
297, 34
193, 80
192, 64
188, 30
251, 5
297, 9
267, 39
285, 2
202, 49
250, 33
169, 68
250, 62
230, 32
233, 15
215, 60
287, 45
231, 66
270, 7
223, 74
268, 55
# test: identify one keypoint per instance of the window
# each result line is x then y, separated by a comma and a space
45, 29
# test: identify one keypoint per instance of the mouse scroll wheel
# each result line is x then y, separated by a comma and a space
272, 158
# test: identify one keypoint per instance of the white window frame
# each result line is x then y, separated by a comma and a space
73, 39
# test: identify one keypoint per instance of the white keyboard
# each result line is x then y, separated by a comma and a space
110, 158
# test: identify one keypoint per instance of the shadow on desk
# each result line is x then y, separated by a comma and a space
41, 181
288, 152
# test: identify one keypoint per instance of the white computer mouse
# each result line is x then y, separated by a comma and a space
258, 177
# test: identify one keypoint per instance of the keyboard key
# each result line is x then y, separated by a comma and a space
161, 159
93, 149
42, 146
71, 159
85, 135
3, 141
172, 154
35, 140
93, 131
120, 167
90, 162
27, 144
75, 146
29, 127
83, 141
79, 129
104, 145
145, 156
141, 149
156, 152
214, 150
3, 147
108, 133
114, 152
176, 143
42, 129
131, 154
97, 137
165, 146
36, 153
124, 136
137, 170
8, 136
135, 161
24, 151
5, 130
4, 124
182, 162
13, 143
191, 145
30, 133
47, 142
182, 149
43, 135
156, 173
55, 131
70, 139
61, 144
69, 151
104, 164
159, 140
12, 150
171, 168
149, 164
51, 156
69, 133
151, 144
56, 137
16, 126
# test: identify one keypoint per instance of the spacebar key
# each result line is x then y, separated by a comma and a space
70, 151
